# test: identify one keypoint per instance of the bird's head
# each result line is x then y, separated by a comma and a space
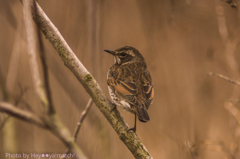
125, 55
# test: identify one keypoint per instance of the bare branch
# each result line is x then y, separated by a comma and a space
18, 98
70, 60
51, 108
21, 114
224, 77
32, 51
84, 113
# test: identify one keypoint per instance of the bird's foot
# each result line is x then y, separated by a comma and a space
133, 129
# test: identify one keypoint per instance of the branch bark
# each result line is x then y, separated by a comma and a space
70, 60
22, 114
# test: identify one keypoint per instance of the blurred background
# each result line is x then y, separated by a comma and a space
181, 40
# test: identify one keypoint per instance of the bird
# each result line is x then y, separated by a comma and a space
130, 83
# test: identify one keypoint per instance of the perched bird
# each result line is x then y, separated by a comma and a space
129, 83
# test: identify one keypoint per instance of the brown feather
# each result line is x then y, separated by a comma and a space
122, 90
131, 87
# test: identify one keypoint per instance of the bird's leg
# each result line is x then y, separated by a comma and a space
135, 125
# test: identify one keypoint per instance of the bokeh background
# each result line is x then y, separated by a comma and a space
181, 40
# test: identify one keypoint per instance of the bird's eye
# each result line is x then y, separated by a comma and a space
123, 54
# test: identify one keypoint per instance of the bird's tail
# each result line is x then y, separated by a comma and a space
142, 115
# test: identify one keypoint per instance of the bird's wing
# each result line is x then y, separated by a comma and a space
140, 96
125, 89
148, 90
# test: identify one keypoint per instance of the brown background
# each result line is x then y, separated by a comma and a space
181, 43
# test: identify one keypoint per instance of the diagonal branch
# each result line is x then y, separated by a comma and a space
22, 114
224, 77
71, 61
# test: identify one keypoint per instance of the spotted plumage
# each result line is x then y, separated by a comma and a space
129, 82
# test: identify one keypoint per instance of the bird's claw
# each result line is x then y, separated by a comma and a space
133, 129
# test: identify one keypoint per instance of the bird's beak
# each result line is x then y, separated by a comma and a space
110, 52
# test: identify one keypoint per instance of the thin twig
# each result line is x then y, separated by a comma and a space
224, 77
84, 113
27, 105
18, 98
